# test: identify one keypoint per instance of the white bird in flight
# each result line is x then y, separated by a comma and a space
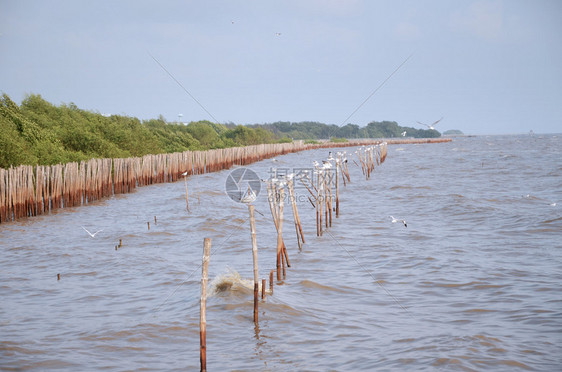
394, 220
92, 235
404, 134
432, 126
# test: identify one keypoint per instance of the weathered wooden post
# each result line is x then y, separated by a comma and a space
319, 203
255, 258
186, 197
203, 304
338, 163
329, 195
298, 228
270, 199
275, 198
280, 244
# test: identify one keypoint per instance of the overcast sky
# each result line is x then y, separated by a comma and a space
487, 67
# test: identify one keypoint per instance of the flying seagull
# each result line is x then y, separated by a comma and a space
432, 126
404, 134
394, 220
92, 235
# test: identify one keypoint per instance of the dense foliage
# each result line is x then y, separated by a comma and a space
38, 132
453, 132
313, 130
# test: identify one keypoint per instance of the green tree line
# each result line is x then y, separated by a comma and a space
38, 132
308, 130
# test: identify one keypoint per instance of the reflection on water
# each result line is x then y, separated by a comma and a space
473, 282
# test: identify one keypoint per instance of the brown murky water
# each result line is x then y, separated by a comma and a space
473, 282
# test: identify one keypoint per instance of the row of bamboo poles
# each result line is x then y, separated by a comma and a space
320, 184
27, 191
323, 185
324, 180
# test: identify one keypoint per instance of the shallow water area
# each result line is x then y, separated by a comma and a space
473, 282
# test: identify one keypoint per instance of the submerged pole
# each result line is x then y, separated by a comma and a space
203, 304
337, 189
280, 244
186, 197
298, 228
255, 259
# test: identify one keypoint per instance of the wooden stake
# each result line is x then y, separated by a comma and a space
337, 189
262, 289
148, 224
271, 281
203, 304
186, 197
280, 233
270, 199
329, 196
255, 259
296, 218
58, 276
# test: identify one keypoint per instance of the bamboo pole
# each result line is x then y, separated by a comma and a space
203, 304
186, 197
274, 205
338, 162
318, 213
298, 228
255, 259
280, 252
3, 189
270, 200
329, 196
320, 198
